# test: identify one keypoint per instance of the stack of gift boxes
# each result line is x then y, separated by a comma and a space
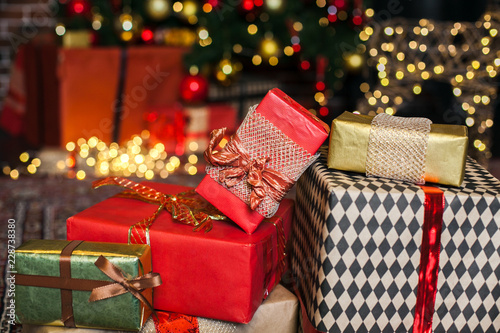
379, 252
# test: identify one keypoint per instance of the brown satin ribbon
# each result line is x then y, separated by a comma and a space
67, 294
235, 157
100, 289
123, 285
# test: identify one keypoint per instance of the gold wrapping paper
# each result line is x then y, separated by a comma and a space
446, 149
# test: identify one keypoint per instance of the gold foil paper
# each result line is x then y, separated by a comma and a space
446, 150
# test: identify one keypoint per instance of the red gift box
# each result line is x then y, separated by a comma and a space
222, 274
178, 126
243, 185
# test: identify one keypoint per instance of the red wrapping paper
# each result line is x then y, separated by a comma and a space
223, 274
295, 122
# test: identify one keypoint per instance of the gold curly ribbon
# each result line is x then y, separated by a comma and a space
186, 208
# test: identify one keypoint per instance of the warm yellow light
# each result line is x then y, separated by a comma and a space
385, 99
297, 26
164, 174
369, 31
269, 47
485, 50
14, 174
80, 175
252, 29
485, 100
149, 174
31, 168
372, 101
384, 82
363, 36
489, 122
417, 89
485, 41
154, 153
425, 75
137, 140
70, 146
61, 165
416, 30
24, 157
398, 100
421, 65
377, 94
400, 56
475, 64
493, 32
193, 159
424, 31
193, 146
399, 30
84, 153
288, 51
6, 170
101, 145
459, 78
364, 87
413, 45
190, 8
411, 68
170, 167
192, 170
469, 75
323, 22
355, 60
319, 97
142, 168
256, 60
369, 12
139, 159
373, 52
469, 121
175, 161
273, 61
389, 111
203, 33
237, 48
477, 99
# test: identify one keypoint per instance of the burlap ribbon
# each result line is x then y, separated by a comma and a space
186, 208
238, 165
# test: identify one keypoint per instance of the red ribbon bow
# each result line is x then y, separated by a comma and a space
235, 157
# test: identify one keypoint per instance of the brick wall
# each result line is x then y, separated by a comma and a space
20, 22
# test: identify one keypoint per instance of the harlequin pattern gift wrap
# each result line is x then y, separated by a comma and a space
220, 274
378, 255
355, 146
276, 142
84, 284
278, 313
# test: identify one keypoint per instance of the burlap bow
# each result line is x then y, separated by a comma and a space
239, 164
123, 284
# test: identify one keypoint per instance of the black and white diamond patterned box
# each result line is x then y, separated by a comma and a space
356, 248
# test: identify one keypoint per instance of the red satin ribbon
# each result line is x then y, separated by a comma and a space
235, 157
429, 259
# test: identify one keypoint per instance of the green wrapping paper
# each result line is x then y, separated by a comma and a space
42, 306
445, 158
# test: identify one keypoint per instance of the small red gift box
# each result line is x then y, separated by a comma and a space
221, 274
274, 145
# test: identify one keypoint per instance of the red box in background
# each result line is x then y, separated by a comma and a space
177, 127
89, 84
223, 274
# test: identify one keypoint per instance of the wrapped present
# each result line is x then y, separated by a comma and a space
378, 255
177, 127
84, 284
221, 274
278, 313
273, 146
439, 157
105, 92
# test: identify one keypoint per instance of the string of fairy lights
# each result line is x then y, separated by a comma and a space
463, 54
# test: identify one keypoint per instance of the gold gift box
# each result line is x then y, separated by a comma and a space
446, 149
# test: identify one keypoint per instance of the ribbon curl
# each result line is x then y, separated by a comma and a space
123, 284
238, 165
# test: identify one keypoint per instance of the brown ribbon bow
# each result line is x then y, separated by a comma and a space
186, 208
122, 284
235, 157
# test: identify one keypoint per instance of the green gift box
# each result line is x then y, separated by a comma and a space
84, 284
